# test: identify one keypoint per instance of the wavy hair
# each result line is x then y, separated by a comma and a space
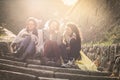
75, 30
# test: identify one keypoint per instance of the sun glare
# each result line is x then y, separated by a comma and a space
69, 2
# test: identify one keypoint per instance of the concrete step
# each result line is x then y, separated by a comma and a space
44, 78
55, 69
37, 62
68, 70
36, 72
10, 75
51, 74
8, 57
16, 63
55, 72
83, 77
69, 76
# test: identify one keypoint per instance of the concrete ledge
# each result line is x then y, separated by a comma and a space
44, 78
35, 72
16, 63
9, 75
28, 61
8, 58
99, 73
54, 73
35, 62
55, 69
58, 69
68, 70
82, 77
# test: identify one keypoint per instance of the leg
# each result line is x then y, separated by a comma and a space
47, 53
64, 53
52, 52
30, 50
56, 51
48, 49
23, 45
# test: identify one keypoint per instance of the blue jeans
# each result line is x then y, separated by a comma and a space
27, 47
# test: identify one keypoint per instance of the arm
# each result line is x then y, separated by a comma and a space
21, 35
17, 40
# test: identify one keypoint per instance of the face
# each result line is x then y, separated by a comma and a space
68, 30
53, 26
31, 25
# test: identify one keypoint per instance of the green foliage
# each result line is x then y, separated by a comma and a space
113, 35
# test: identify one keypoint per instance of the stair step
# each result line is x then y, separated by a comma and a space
83, 77
68, 70
10, 75
55, 69
17, 59
16, 63
36, 72
51, 74
8, 57
44, 78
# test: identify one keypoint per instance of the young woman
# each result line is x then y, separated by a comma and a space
71, 43
27, 39
52, 39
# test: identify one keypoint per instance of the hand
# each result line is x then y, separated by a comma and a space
13, 47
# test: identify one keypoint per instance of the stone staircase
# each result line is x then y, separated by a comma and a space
12, 69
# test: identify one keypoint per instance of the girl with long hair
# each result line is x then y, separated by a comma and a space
52, 40
71, 43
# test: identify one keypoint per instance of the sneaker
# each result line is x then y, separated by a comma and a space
65, 66
71, 62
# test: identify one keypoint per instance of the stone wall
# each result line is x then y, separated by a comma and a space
102, 54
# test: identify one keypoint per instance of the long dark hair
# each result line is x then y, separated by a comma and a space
77, 44
35, 32
75, 30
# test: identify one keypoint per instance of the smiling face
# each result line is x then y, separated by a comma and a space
30, 25
54, 26
68, 30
